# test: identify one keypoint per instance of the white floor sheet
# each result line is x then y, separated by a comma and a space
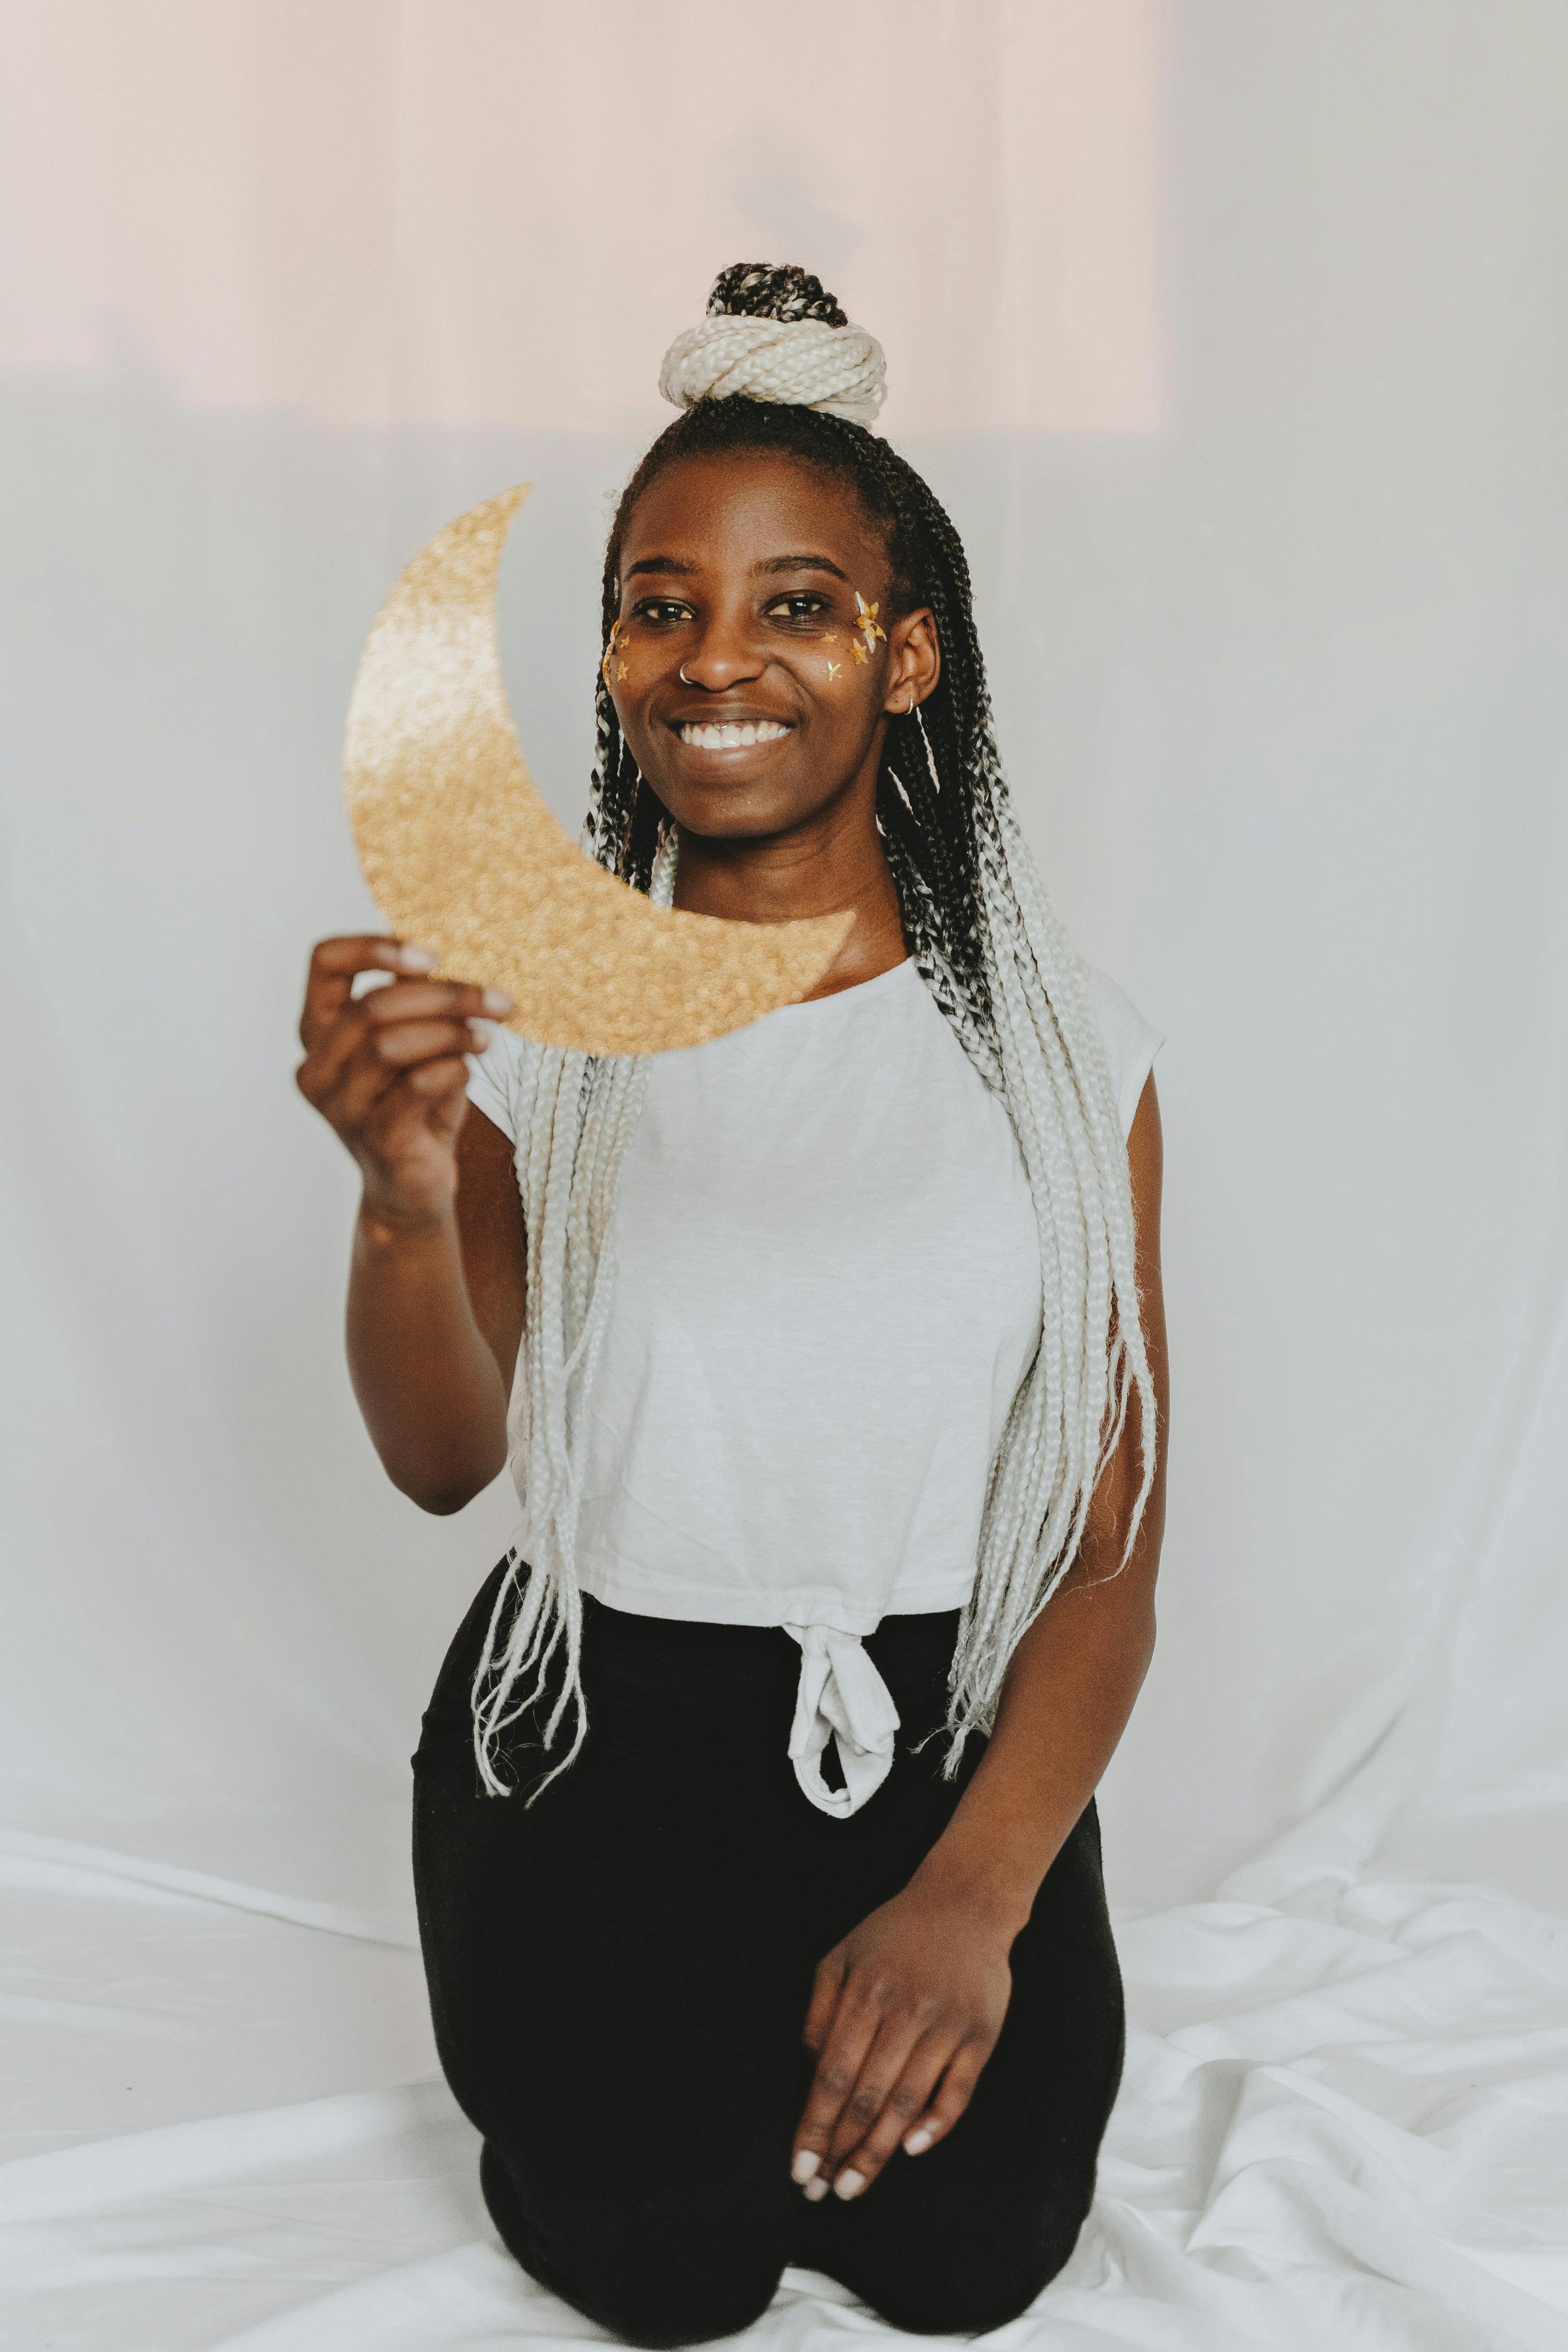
1344, 2120
1233, 338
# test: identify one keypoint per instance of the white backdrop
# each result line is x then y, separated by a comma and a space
1234, 339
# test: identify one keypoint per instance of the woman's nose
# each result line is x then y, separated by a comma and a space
725, 654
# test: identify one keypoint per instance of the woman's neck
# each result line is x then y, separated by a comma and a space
835, 861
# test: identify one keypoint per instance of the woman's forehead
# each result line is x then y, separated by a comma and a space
741, 506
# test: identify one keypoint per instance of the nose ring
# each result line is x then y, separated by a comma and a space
684, 679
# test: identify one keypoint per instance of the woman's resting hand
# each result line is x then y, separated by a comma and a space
904, 2014
387, 1069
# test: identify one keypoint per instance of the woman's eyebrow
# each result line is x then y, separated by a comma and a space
660, 563
801, 563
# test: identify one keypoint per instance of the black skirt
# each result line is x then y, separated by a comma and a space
619, 1974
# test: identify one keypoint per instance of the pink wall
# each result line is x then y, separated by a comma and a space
480, 212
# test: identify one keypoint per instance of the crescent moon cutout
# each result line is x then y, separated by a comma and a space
462, 854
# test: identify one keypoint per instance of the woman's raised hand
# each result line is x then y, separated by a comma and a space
904, 2014
387, 1069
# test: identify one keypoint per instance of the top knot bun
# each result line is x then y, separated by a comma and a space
776, 335
754, 290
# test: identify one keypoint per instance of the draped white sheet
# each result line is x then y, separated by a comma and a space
1234, 339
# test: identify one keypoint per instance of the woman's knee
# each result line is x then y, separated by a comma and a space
648, 2282
959, 2311
971, 2297
661, 2314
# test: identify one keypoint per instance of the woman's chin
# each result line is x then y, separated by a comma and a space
732, 812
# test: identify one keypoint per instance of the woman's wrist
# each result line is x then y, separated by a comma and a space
992, 1885
388, 1224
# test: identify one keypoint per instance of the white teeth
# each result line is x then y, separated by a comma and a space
733, 736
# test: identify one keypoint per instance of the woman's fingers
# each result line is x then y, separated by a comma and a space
953, 2095
432, 1080
387, 1069
825, 1988
900, 2104
430, 1100
843, 2045
911, 2087
420, 1000
409, 1021
880, 2082
422, 1041
367, 1076
405, 1098
336, 964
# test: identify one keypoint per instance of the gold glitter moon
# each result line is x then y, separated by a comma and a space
462, 854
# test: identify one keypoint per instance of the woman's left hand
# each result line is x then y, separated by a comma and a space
904, 2013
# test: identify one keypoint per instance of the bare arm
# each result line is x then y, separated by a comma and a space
435, 1282
1075, 1675
907, 2009
434, 1316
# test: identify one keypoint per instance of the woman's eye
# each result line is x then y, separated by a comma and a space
804, 607
662, 611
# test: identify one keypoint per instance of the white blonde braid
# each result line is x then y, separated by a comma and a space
576, 1115
839, 370
1069, 1412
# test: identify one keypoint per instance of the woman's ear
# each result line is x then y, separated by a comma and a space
914, 662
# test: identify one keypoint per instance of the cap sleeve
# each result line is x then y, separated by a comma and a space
1130, 1042
493, 1079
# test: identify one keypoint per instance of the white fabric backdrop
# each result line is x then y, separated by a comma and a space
1234, 339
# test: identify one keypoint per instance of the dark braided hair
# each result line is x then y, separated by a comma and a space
753, 289
926, 807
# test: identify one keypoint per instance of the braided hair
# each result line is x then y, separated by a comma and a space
991, 948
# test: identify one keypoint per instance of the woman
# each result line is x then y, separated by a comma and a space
756, 1843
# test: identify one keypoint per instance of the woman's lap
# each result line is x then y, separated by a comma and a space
618, 1976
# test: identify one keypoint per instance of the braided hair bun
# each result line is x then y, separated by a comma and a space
775, 334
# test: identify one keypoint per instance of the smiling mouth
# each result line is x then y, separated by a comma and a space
732, 735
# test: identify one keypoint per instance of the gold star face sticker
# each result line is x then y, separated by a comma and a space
622, 670
857, 648
866, 621
832, 670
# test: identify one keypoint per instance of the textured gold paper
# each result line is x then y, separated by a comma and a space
462, 854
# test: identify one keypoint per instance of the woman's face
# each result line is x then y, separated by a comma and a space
742, 570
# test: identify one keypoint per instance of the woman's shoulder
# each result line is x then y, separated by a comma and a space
501, 1079
1131, 1040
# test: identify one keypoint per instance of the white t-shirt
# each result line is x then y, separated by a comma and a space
826, 1292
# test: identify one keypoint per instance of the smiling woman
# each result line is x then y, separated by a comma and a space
737, 688
756, 1843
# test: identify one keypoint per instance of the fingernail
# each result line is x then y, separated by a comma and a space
495, 1000
814, 2190
917, 2143
850, 2184
806, 2166
417, 959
